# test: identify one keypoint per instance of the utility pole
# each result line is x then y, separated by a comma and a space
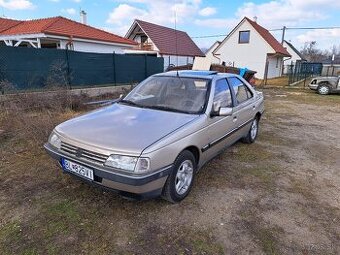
283, 34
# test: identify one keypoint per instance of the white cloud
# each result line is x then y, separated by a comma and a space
70, 11
327, 36
76, 1
125, 12
217, 23
160, 12
275, 14
16, 4
208, 11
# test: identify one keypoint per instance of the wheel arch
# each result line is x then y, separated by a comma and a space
258, 115
324, 83
195, 151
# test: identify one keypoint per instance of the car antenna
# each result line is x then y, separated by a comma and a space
176, 42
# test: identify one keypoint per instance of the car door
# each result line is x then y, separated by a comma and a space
220, 128
244, 110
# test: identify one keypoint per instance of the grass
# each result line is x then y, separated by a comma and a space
52, 213
274, 82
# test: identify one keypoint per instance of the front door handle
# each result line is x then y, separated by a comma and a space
235, 119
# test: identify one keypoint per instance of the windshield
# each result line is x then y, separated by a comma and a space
187, 95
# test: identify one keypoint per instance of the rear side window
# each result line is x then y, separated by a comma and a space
242, 92
222, 95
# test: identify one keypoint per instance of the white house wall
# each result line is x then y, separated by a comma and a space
251, 55
94, 47
274, 67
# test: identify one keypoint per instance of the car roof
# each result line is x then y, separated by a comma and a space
196, 74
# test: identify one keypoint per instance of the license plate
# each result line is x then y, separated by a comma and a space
77, 169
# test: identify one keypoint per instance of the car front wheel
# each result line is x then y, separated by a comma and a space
323, 89
253, 131
179, 183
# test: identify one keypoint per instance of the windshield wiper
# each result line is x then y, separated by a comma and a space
165, 108
129, 102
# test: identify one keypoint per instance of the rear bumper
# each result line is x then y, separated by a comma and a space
313, 86
140, 187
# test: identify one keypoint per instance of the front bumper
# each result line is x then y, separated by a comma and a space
143, 187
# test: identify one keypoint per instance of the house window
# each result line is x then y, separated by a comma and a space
244, 36
143, 39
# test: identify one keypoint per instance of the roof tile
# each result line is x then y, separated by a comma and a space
270, 39
165, 40
7, 23
63, 27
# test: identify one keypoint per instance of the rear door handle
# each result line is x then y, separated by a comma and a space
235, 119
253, 107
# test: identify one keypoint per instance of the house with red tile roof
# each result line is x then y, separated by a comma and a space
252, 46
61, 33
175, 46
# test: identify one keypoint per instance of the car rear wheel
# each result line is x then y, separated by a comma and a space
179, 183
323, 89
253, 131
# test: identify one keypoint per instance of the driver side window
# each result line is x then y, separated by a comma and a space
222, 96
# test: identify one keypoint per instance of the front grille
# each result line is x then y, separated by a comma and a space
81, 153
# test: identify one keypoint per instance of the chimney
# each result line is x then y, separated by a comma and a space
255, 19
83, 18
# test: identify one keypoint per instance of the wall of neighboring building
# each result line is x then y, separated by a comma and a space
292, 52
289, 63
94, 47
251, 55
330, 70
173, 60
274, 67
210, 56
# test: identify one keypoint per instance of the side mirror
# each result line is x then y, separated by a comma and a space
225, 111
222, 111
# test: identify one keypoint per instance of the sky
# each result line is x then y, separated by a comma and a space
196, 17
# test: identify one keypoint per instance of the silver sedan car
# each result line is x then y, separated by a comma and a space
154, 141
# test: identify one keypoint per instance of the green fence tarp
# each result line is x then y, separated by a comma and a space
29, 68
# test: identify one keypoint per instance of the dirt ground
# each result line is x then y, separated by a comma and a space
280, 195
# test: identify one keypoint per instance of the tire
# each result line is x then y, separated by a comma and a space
323, 89
253, 132
184, 163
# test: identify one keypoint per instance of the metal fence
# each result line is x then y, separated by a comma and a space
29, 68
303, 70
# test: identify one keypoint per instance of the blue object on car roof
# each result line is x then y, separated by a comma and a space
243, 71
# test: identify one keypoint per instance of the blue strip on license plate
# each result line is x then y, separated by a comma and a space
75, 168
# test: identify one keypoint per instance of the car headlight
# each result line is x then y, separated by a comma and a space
128, 163
55, 141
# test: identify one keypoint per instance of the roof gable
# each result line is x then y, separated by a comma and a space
64, 27
164, 39
264, 33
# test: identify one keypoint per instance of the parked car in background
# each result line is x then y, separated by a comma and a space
154, 141
325, 85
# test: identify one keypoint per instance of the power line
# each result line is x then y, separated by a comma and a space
312, 28
275, 29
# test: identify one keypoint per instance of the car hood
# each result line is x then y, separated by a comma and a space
121, 128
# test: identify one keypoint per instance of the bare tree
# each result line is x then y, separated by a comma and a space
311, 52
